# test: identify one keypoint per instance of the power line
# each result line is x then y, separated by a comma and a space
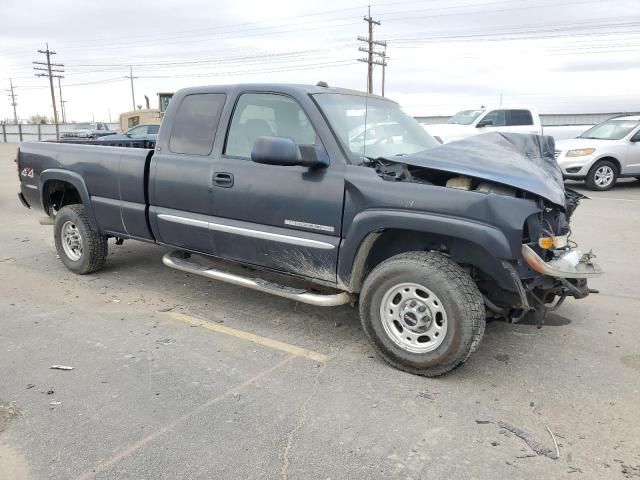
515, 34
152, 40
51, 73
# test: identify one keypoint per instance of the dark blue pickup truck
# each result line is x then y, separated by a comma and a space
329, 196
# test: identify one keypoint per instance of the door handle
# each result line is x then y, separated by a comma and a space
223, 179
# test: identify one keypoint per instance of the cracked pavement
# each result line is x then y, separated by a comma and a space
151, 396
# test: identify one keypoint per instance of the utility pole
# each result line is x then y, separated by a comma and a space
370, 51
51, 73
133, 95
384, 66
13, 101
62, 102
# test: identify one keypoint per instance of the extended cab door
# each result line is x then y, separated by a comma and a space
286, 218
631, 164
509, 120
181, 172
523, 121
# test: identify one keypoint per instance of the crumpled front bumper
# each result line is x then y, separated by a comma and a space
570, 264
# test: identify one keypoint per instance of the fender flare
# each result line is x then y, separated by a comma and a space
368, 225
74, 179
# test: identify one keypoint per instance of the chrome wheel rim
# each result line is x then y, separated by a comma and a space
71, 241
604, 176
413, 317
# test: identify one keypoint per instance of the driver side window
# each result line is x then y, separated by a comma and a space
267, 115
497, 117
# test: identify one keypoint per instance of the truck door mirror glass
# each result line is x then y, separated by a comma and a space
484, 123
284, 152
636, 137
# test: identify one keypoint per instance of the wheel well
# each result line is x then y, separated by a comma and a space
389, 243
57, 193
610, 159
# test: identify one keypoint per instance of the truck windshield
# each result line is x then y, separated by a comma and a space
465, 117
372, 127
610, 130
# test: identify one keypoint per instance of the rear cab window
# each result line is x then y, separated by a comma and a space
195, 123
519, 117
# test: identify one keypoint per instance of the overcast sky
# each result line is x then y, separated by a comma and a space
445, 55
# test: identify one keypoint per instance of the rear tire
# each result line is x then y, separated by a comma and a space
80, 247
422, 312
602, 176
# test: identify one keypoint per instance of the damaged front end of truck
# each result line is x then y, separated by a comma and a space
546, 265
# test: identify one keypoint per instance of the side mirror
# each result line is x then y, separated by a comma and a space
127, 135
284, 152
484, 123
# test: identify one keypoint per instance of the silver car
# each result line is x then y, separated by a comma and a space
602, 154
87, 130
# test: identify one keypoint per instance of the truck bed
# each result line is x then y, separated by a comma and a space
115, 180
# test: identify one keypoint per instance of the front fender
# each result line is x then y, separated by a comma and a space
74, 179
366, 226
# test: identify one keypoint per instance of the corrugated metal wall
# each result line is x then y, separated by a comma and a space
548, 120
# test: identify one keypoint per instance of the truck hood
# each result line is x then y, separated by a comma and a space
576, 143
525, 162
450, 130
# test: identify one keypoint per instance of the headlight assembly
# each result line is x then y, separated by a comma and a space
580, 152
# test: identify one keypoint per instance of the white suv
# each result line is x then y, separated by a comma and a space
602, 154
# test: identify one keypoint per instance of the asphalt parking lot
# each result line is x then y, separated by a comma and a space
177, 376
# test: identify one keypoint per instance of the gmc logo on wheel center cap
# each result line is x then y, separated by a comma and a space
410, 319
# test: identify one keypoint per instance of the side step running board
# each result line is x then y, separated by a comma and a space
176, 260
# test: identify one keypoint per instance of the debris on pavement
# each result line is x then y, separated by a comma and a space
53, 402
537, 447
30, 385
167, 309
50, 392
165, 341
533, 444
61, 367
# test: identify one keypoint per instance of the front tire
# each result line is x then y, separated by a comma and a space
80, 247
602, 176
422, 312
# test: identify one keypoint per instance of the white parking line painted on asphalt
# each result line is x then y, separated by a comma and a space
251, 337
